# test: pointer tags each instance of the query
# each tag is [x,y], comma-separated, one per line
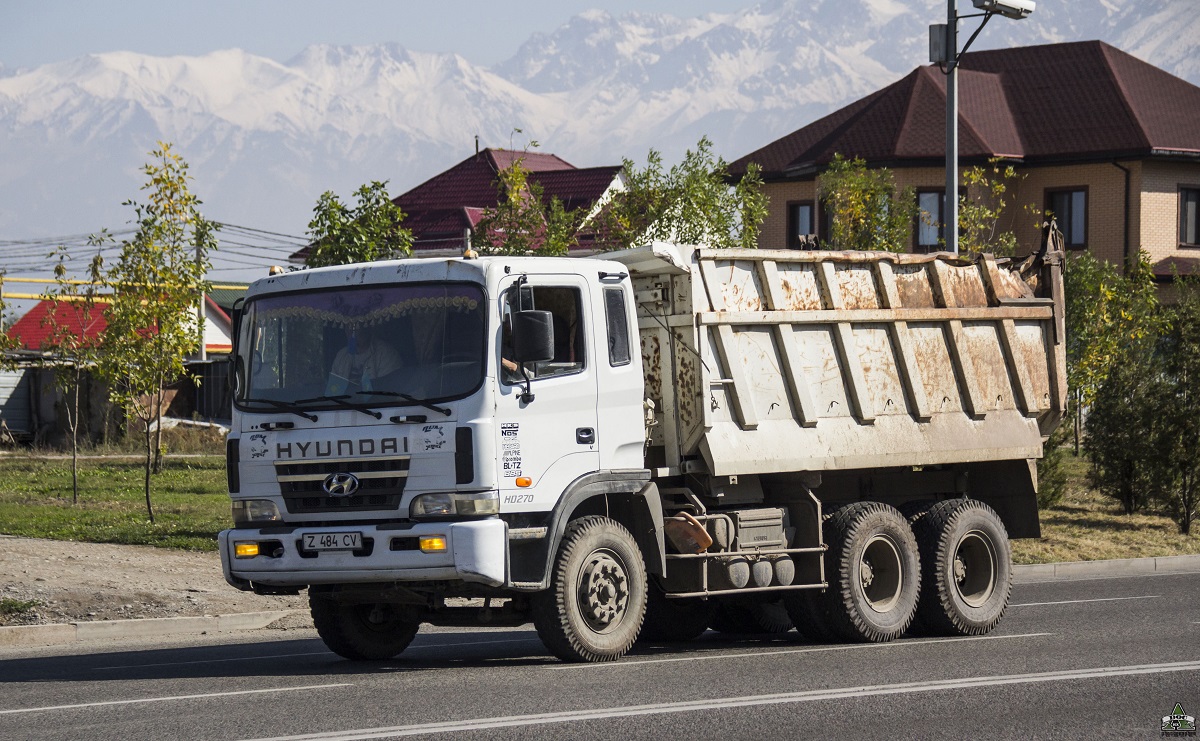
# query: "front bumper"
[476,551]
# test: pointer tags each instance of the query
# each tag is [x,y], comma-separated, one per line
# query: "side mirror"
[235,321]
[532,336]
[235,328]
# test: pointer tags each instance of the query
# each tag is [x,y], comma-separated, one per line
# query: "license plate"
[332,541]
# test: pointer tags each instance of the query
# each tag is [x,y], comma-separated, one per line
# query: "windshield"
[377,345]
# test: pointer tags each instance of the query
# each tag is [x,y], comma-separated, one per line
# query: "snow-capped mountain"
[265,138]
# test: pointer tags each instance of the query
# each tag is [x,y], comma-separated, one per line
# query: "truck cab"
[385,431]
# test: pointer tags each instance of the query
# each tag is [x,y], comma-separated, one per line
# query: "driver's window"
[566,308]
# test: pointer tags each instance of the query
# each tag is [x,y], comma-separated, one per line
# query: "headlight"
[451,504]
[254,511]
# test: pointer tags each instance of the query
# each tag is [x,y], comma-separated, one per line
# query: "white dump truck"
[645,445]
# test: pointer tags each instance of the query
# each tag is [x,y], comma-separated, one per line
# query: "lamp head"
[1015,9]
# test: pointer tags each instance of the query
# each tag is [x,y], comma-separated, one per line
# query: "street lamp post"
[943,50]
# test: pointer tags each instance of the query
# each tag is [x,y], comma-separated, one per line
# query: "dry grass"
[1087,526]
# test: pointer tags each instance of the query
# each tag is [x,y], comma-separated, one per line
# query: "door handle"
[585,436]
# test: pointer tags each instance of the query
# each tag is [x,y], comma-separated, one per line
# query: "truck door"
[548,442]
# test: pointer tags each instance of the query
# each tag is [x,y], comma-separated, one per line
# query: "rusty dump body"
[773,361]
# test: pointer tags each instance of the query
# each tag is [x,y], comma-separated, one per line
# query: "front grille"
[380,484]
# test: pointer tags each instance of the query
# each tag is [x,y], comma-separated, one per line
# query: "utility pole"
[201,313]
[951,207]
[943,51]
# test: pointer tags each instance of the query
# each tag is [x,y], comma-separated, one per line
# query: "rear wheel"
[594,607]
[363,632]
[873,572]
[967,568]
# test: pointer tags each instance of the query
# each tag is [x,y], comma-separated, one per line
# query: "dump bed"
[761,361]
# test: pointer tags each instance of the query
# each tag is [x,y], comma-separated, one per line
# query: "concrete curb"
[49,635]
[1031,573]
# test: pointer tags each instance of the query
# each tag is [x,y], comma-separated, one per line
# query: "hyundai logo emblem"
[340,484]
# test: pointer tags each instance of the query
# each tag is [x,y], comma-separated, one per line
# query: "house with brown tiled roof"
[1105,141]
[442,212]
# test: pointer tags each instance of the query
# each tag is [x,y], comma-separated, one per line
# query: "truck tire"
[874,574]
[362,632]
[966,563]
[806,609]
[594,607]
[674,620]
[736,616]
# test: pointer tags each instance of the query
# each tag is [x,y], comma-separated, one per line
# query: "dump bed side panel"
[763,361]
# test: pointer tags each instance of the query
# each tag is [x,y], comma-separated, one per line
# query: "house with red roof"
[442,212]
[1106,142]
[34,329]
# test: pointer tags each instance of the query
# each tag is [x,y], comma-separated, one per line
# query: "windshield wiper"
[341,401]
[286,406]
[410,399]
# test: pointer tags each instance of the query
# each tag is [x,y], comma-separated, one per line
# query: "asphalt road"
[1096,658]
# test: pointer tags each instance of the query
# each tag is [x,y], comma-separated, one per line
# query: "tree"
[156,282]
[980,207]
[692,203]
[72,340]
[1052,474]
[1114,369]
[522,223]
[866,210]
[1121,429]
[1177,411]
[368,231]
[1106,313]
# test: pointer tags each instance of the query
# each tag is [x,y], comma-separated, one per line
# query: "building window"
[1069,208]
[825,220]
[1189,217]
[802,228]
[931,220]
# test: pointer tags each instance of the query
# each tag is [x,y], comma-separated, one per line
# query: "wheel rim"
[881,574]
[603,590]
[974,568]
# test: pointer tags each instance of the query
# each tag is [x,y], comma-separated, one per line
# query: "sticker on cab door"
[510,449]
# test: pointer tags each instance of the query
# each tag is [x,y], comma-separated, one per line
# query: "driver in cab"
[363,361]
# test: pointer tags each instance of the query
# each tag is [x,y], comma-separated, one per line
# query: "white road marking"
[313,653]
[1080,601]
[209,661]
[173,697]
[513,721]
[820,649]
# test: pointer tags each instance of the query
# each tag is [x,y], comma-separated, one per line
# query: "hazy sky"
[34,32]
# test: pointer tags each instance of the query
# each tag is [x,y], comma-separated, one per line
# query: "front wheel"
[363,632]
[967,564]
[594,607]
